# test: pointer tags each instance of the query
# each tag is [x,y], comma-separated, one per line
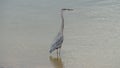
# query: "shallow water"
[92,34]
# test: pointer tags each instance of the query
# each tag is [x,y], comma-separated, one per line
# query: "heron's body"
[57,43]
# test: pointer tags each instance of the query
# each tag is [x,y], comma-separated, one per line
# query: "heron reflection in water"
[56,62]
[57,43]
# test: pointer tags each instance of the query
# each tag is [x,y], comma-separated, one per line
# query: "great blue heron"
[57,43]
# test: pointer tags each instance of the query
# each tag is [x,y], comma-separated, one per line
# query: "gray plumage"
[57,43]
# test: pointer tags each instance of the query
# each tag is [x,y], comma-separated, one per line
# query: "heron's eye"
[63,9]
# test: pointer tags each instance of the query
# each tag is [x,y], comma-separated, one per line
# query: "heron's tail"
[51,50]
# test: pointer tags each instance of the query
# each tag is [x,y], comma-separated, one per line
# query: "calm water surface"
[92,34]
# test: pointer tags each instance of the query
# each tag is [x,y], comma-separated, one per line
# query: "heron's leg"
[59,51]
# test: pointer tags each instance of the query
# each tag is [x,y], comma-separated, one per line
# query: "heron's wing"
[57,42]
[57,38]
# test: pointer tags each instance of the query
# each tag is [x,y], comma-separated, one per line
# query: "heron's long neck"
[62,25]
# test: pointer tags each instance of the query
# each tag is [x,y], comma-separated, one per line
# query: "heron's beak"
[68,9]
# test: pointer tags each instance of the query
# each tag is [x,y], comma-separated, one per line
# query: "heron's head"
[67,9]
